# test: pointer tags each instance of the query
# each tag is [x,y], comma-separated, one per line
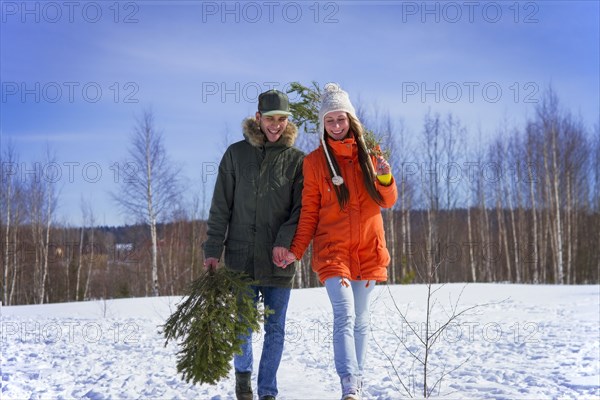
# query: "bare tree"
[484,222]
[549,120]
[196,228]
[88,220]
[471,179]
[92,248]
[41,203]
[150,184]
[9,185]
[453,136]
[427,336]
[531,179]
[432,143]
[17,215]
[513,196]
[403,171]
[576,155]
[496,156]
[80,258]
[389,133]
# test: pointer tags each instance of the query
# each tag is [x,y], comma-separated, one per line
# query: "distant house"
[124,252]
[124,247]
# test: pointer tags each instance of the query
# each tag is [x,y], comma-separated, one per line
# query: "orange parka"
[349,243]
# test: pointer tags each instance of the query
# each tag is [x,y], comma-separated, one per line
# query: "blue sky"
[76,74]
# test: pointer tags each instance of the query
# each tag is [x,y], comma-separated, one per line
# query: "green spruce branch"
[209,323]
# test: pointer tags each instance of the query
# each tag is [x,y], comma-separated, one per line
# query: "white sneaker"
[350,388]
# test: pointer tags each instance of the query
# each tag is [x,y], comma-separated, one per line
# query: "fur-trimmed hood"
[257,138]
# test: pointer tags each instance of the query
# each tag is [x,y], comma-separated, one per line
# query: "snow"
[519,342]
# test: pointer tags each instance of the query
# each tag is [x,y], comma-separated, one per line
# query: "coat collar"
[257,138]
[343,148]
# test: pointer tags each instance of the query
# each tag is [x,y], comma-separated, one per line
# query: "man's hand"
[279,254]
[282,257]
[211,263]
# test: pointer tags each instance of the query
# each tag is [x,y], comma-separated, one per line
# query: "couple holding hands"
[270,201]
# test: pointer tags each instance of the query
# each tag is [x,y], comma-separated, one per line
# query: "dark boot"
[243,385]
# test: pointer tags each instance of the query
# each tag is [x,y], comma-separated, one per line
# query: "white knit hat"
[333,99]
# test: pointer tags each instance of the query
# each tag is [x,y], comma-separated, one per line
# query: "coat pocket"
[327,192]
[383,255]
[238,255]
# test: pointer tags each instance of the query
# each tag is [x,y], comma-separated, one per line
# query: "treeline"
[97,262]
[523,207]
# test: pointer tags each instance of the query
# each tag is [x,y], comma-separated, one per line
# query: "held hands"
[282,257]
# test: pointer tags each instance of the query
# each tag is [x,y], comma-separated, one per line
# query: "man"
[254,213]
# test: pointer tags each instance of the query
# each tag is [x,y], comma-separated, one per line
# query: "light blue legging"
[350,324]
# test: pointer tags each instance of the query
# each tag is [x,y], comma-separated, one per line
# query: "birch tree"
[550,124]
[41,201]
[531,180]
[407,167]
[149,184]
[432,143]
[89,222]
[9,185]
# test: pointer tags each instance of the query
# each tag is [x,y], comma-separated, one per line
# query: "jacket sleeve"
[389,193]
[309,215]
[220,208]
[288,228]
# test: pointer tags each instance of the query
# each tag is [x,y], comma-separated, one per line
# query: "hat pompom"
[331,88]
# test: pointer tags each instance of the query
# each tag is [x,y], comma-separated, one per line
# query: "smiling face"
[272,125]
[337,124]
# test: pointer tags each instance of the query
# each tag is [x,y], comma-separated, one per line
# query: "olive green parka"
[256,204]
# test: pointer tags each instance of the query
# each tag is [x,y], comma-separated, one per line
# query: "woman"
[341,209]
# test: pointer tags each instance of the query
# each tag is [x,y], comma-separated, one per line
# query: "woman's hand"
[383,167]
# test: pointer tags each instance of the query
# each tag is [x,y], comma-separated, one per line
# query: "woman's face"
[337,124]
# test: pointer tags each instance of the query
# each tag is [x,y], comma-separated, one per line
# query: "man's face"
[272,125]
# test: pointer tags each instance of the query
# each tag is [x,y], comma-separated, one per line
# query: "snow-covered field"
[531,342]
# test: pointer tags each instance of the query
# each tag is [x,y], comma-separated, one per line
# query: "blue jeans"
[350,324]
[277,300]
